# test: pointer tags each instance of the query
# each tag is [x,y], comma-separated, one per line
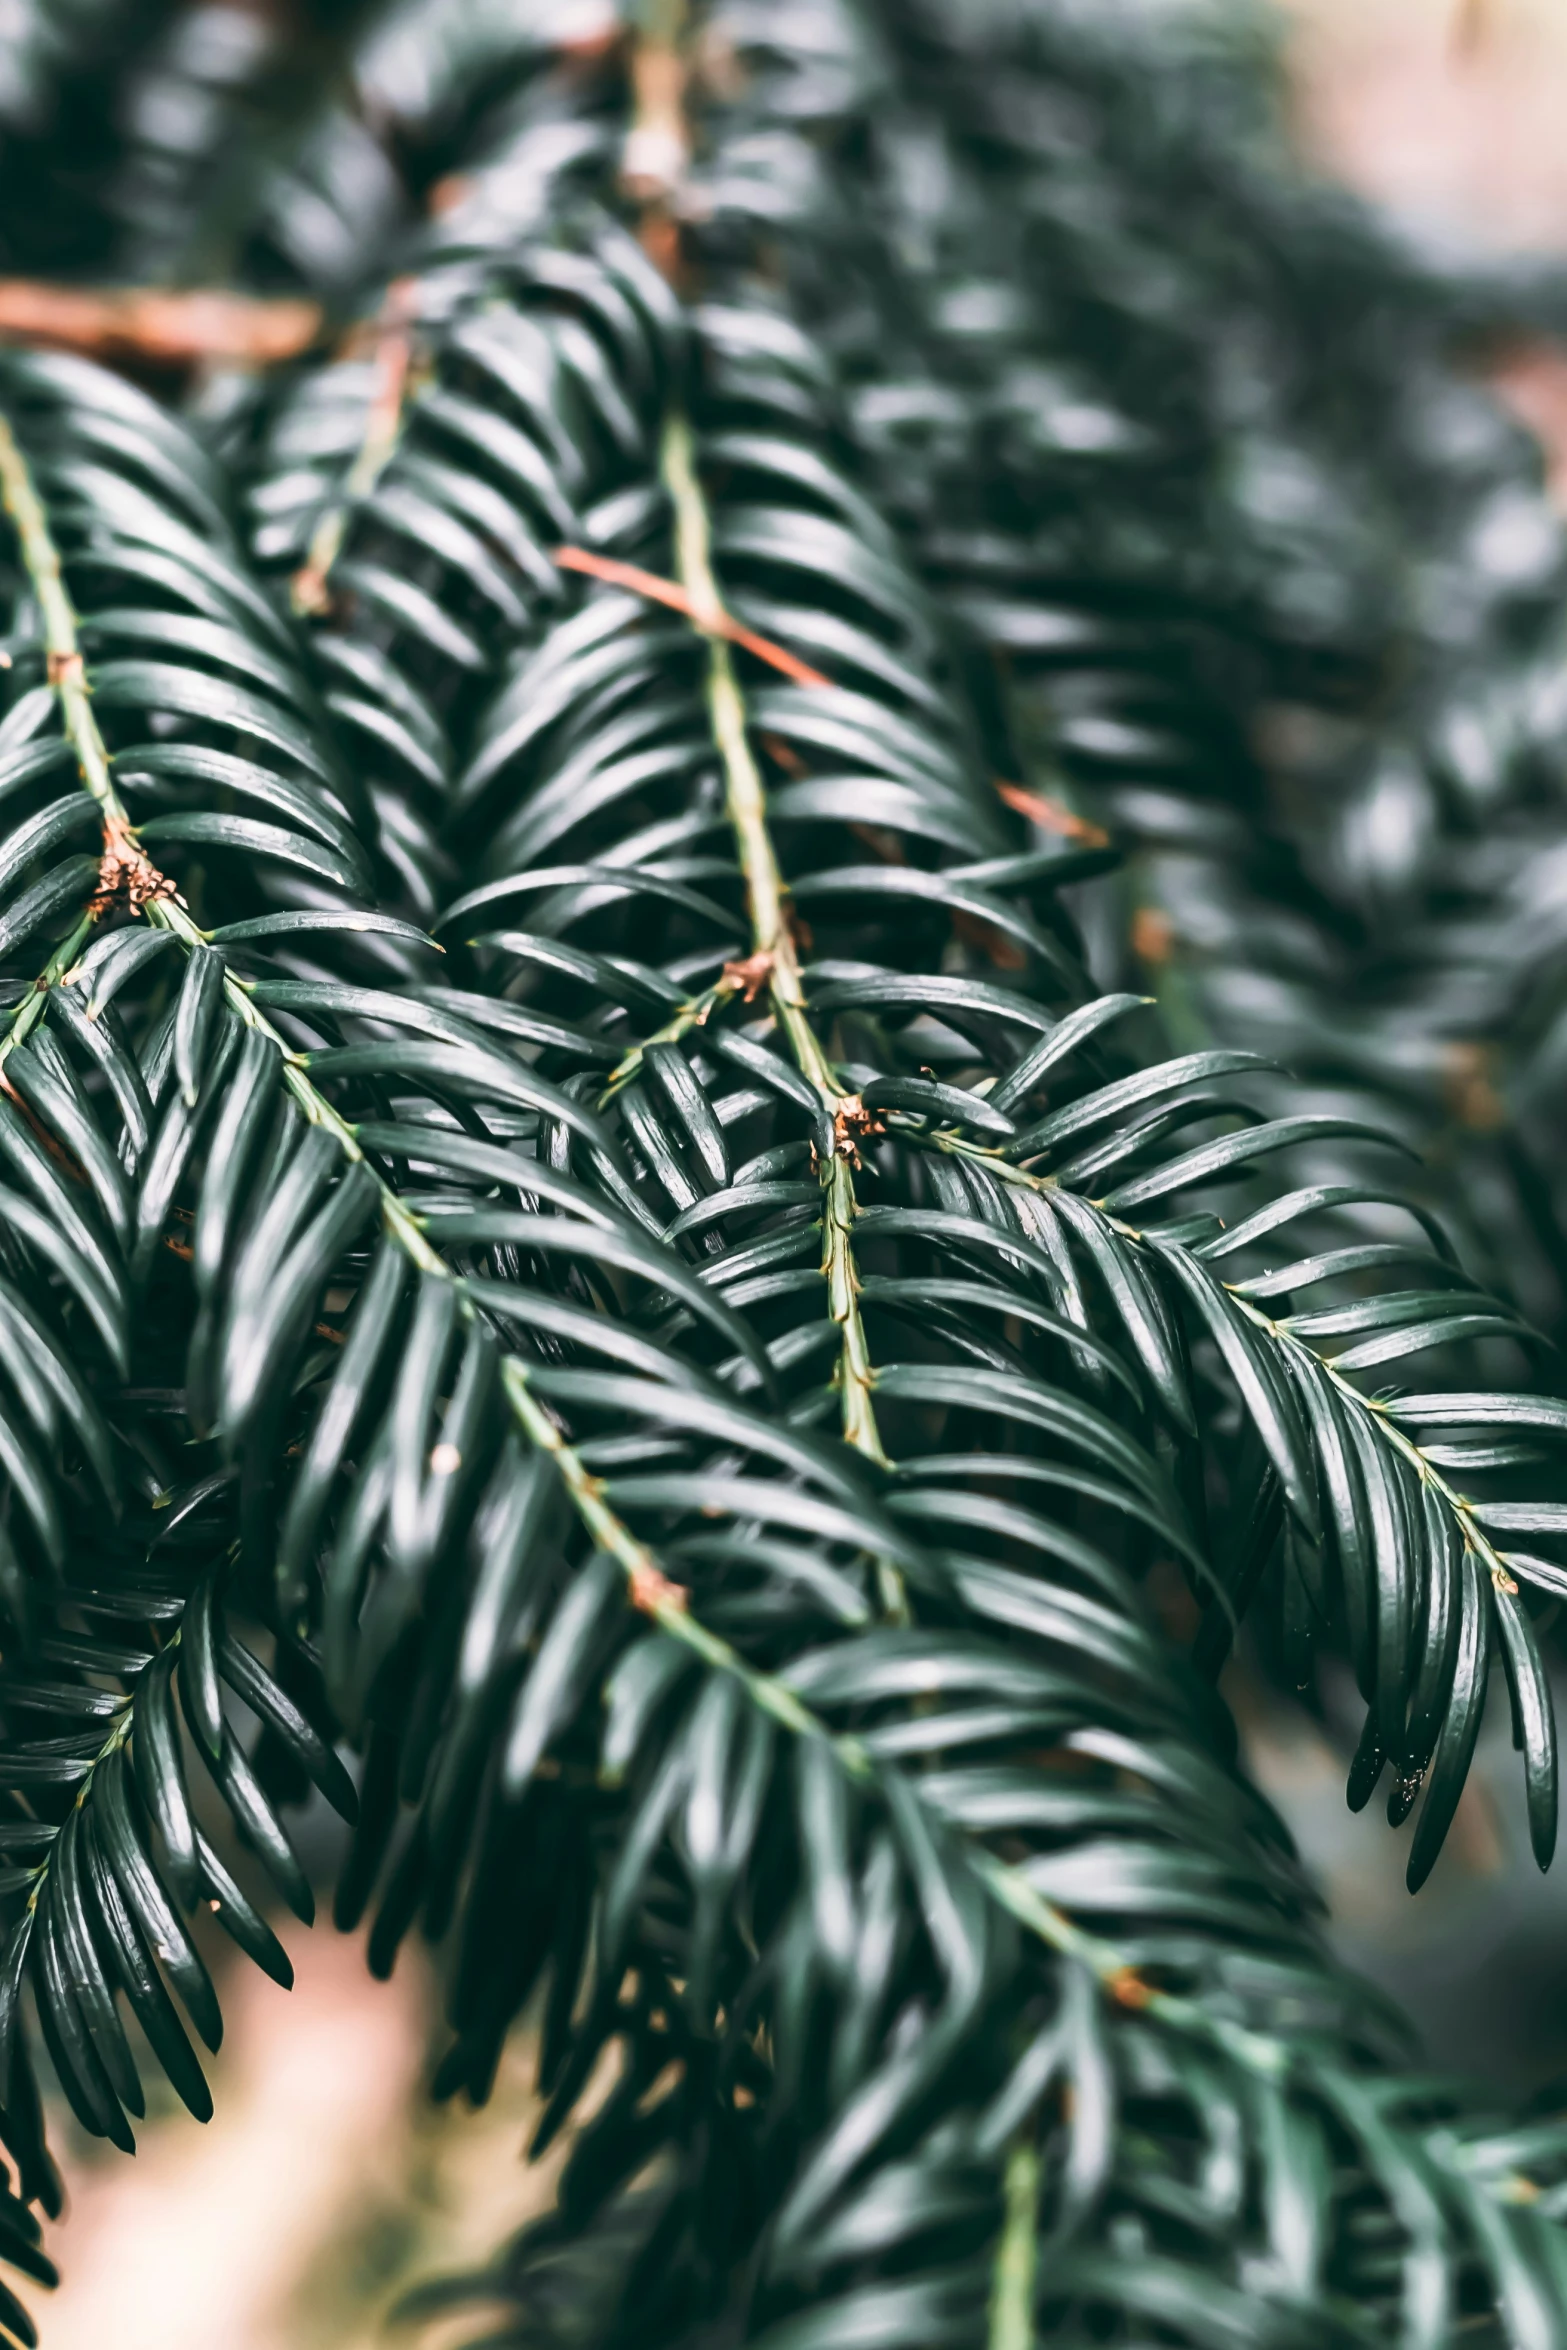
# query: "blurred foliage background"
[1448,115]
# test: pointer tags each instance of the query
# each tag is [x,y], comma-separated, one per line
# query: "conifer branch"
[963,1991]
[649,1587]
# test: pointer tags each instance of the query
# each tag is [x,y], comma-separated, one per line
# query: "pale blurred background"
[1449,111]
[327,2183]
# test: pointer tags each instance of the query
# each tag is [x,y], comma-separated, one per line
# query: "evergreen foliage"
[594,1216]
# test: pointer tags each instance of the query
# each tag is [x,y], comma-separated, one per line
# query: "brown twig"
[1469,1087]
[1052,816]
[153,323]
[712,619]
[47,1141]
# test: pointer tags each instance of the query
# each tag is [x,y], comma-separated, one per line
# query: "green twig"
[774,958]
[1017,2254]
[31,1009]
[66,670]
[310,588]
[680,1024]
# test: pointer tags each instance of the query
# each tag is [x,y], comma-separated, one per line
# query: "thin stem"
[666,592]
[119,1730]
[1017,2254]
[30,1010]
[680,1024]
[1474,1535]
[309,588]
[66,670]
[772,939]
[124,863]
[121,1724]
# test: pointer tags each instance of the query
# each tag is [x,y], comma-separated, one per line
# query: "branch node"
[309,593]
[852,1124]
[749,976]
[127,876]
[1127,1988]
[651,1590]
